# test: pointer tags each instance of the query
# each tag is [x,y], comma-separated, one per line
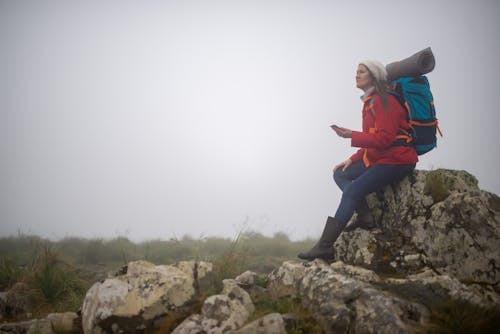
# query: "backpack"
[414,94]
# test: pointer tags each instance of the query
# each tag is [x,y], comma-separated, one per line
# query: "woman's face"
[363,78]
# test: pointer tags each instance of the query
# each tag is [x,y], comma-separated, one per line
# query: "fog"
[156,119]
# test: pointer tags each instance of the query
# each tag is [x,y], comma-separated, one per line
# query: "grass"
[304,321]
[48,283]
[464,318]
[437,186]
[57,274]
[54,279]
[236,260]
[229,264]
[10,273]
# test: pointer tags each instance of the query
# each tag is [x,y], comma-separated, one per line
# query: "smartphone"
[333,126]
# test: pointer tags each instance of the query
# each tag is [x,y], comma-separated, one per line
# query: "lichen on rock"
[140,296]
[457,234]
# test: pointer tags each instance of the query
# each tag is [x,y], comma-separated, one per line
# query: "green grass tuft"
[53,279]
[304,321]
[10,273]
[436,186]
[464,318]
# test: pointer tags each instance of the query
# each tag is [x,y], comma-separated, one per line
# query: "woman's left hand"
[343,132]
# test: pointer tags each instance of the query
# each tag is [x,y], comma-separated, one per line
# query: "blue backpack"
[414,94]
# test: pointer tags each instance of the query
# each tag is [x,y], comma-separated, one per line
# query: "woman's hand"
[344,164]
[343,132]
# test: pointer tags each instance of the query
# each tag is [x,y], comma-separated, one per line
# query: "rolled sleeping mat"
[420,63]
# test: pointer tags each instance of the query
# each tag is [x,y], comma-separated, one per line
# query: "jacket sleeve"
[384,132]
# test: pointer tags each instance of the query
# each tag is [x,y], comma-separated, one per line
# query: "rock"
[68,322]
[490,294]
[42,326]
[270,324]
[359,273]
[285,281]
[16,303]
[37,326]
[142,298]
[220,313]
[438,219]
[435,290]
[435,245]
[197,323]
[234,292]
[247,280]
[343,303]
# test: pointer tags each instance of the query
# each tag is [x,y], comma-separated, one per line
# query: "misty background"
[155,119]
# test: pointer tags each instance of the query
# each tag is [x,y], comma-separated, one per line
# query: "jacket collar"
[368,94]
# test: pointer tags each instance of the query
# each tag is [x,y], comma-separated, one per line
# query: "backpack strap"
[403,137]
[370,100]
[371,104]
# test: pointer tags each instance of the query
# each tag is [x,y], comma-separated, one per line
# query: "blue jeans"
[358,181]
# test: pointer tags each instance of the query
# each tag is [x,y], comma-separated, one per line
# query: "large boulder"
[350,299]
[343,301]
[432,219]
[143,297]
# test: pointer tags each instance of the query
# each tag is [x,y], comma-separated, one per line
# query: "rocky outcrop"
[142,297]
[343,300]
[432,219]
[436,243]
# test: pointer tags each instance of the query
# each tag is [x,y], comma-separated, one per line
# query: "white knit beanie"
[377,69]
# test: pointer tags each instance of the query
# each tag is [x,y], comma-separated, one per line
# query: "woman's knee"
[339,175]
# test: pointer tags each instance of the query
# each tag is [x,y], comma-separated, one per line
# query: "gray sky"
[153,119]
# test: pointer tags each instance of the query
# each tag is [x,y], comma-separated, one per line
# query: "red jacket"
[379,131]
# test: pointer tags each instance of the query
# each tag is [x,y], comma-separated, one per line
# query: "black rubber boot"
[364,219]
[324,247]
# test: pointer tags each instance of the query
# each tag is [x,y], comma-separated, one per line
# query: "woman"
[380,161]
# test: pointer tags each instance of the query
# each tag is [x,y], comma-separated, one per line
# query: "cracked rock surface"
[432,219]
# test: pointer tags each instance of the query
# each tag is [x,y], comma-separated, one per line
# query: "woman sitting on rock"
[376,164]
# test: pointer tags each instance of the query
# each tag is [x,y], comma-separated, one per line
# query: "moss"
[437,185]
